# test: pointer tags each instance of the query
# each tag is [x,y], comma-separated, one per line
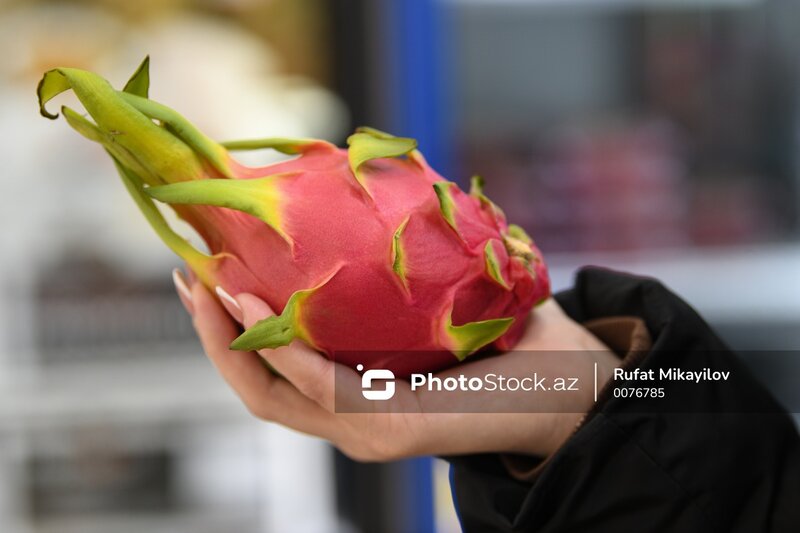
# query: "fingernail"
[183,290]
[230,304]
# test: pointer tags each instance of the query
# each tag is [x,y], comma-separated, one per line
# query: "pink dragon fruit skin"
[366,253]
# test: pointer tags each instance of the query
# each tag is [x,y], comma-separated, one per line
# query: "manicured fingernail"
[183,290]
[230,304]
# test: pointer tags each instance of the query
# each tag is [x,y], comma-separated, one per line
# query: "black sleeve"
[708,457]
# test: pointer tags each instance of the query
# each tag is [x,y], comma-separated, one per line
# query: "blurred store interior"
[660,137]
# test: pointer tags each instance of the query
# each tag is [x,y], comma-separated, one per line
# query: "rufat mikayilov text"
[671,374]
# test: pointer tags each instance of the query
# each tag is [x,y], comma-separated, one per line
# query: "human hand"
[303,397]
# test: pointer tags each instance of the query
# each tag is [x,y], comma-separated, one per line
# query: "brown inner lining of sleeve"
[627,336]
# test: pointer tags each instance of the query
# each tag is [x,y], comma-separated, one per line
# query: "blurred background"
[656,136]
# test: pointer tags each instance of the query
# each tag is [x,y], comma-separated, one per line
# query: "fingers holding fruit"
[265,395]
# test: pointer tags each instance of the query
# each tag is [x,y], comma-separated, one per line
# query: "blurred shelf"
[611,4]
[152,390]
[758,284]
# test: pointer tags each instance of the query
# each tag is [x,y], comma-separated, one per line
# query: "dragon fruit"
[366,253]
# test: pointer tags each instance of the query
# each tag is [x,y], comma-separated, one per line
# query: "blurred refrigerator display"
[636,126]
